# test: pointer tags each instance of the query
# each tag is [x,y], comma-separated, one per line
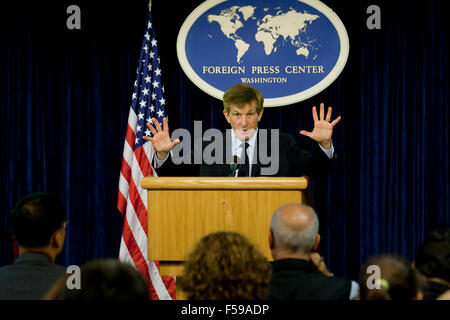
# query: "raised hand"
[323,128]
[319,263]
[161,138]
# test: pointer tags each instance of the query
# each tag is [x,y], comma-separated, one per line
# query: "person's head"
[294,231]
[103,279]
[225,266]
[38,223]
[433,256]
[243,108]
[397,279]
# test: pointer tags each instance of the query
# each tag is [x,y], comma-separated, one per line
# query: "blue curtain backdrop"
[65,96]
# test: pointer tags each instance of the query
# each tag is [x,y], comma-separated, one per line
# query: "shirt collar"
[33,256]
[236,143]
[293,264]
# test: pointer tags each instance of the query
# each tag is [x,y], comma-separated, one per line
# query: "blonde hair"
[225,266]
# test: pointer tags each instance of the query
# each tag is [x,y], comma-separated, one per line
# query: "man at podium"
[243,109]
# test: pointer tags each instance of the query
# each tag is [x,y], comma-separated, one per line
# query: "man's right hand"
[161,138]
[319,263]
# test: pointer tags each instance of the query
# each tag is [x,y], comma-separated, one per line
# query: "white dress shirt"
[236,147]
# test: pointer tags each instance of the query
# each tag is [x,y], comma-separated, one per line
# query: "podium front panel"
[178,219]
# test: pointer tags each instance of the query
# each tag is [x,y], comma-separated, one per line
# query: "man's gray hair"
[292,240]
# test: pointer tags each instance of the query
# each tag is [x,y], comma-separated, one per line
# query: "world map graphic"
[276,28]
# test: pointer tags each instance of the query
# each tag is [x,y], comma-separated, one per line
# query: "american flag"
[147,102]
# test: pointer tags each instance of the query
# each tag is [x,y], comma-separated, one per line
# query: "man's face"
[244,121]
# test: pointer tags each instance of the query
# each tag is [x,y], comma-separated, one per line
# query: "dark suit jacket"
[29,277]
[293,162]
[296,279]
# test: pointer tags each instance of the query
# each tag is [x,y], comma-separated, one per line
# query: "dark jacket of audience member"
[433,261]
[297,279]
[38,223]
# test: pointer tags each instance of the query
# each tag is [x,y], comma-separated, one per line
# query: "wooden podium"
[181,210]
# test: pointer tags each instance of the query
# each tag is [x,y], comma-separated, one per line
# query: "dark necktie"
[244,169]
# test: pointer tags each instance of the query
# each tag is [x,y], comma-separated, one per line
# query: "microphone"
[234,166]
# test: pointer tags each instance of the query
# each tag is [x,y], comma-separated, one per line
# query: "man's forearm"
[328,151]
[326,144]
[159,162]
[162,155]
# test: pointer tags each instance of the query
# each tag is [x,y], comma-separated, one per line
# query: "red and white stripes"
[132,203]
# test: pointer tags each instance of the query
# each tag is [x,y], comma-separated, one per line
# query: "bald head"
[294,227]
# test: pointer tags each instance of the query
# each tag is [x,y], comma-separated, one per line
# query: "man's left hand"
[323,127]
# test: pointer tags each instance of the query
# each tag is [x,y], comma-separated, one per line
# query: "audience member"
[398,280]
[299,273]
[225,266]
[103,279]
[444,296]
[38,222]
[433,261]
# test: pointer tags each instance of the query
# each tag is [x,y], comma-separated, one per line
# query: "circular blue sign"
[290,50]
